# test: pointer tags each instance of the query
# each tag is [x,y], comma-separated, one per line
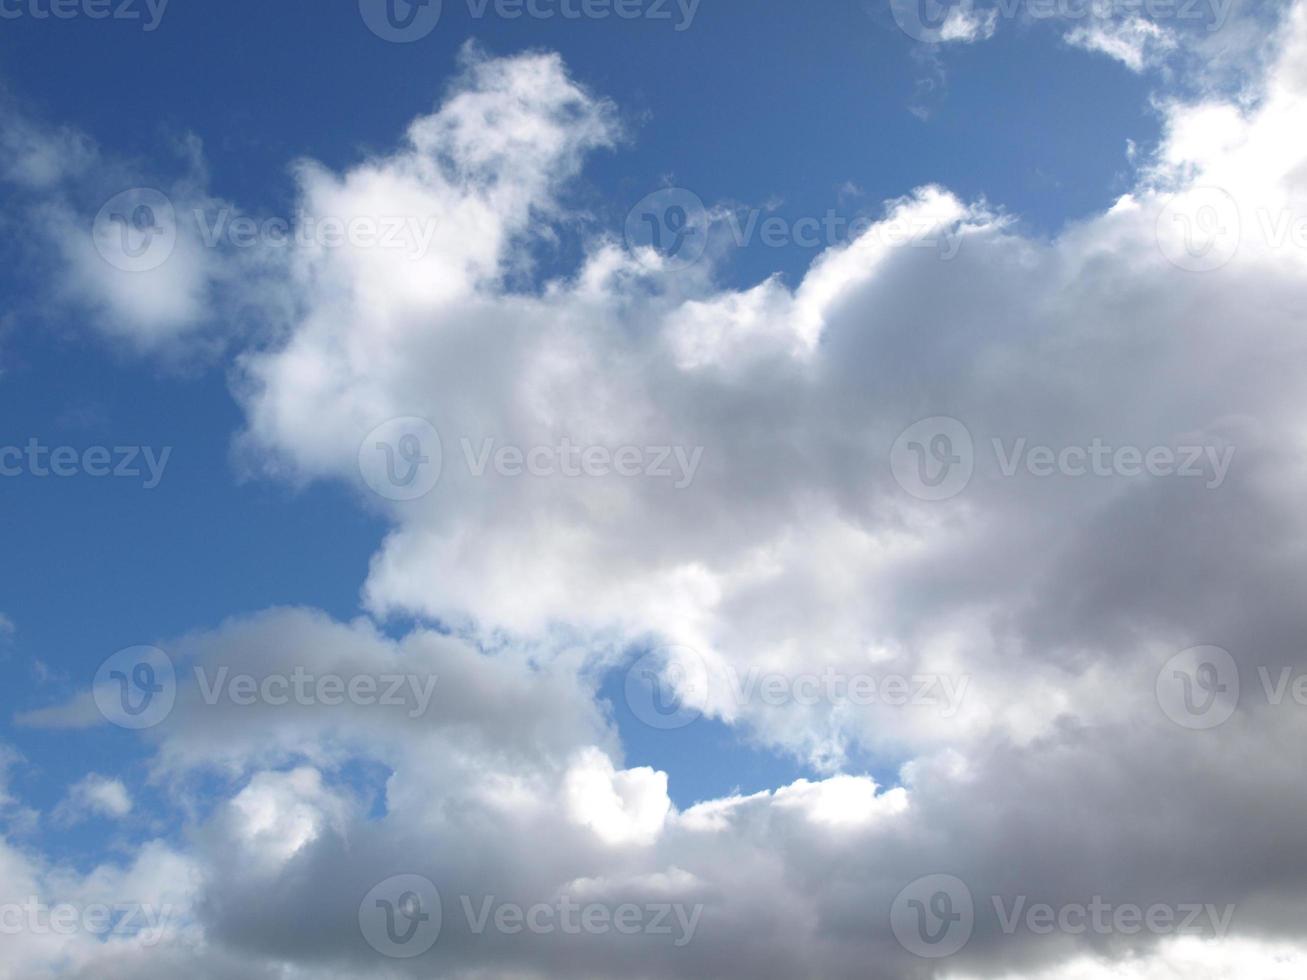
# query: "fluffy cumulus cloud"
[957,515]
[95,796]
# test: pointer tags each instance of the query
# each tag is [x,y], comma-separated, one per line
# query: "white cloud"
[94,796]
[1191,958]
[628,807]
[794,551]
[1135,42]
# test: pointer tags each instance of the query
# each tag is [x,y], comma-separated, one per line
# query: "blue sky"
[789,545]
[812,102]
